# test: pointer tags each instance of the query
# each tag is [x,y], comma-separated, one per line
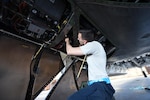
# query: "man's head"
[85,36]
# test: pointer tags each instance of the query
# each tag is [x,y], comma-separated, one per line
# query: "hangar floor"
[130,86]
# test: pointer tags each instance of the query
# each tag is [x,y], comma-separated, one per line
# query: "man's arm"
[72,50]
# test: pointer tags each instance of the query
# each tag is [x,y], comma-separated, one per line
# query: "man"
[99,86]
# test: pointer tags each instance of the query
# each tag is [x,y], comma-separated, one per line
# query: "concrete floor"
[132,86]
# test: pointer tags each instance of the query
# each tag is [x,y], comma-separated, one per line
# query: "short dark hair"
[87,34]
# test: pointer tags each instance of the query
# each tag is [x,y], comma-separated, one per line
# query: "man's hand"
[67,40]
[72,50]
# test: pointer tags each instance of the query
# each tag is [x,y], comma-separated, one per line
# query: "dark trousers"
[96,91]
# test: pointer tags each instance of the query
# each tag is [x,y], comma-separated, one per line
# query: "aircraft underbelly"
[126,25]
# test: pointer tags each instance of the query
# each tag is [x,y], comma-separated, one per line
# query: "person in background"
[99,86]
